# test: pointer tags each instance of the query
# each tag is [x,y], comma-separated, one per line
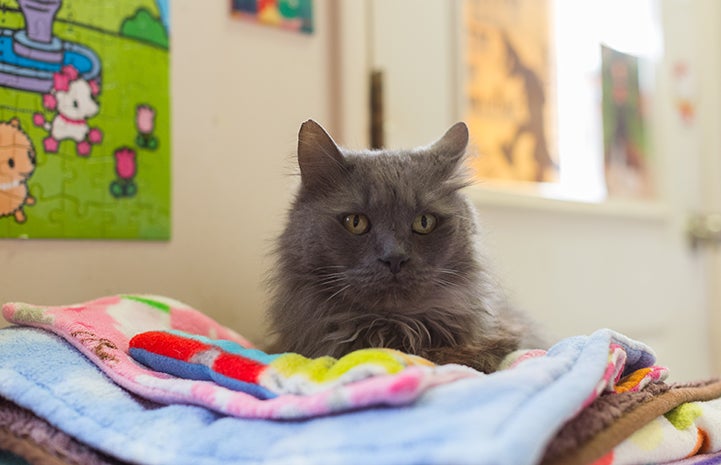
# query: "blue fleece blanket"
[504,418]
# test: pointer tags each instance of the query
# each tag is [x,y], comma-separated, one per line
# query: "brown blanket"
[611,418]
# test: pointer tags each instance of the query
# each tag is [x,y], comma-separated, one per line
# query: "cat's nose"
[394,262]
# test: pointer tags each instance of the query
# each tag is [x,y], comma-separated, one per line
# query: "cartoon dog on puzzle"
[17,163]
[74,99]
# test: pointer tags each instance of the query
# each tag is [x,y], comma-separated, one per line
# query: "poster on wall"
[293,15]
[84,119]
[507,66]
[624,126]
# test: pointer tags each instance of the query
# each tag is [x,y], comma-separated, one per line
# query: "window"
[512,46]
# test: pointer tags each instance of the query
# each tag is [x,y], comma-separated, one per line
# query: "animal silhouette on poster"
[74,100]
[17,164]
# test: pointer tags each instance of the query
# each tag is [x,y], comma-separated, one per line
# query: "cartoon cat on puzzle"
[74,100]
[17,163]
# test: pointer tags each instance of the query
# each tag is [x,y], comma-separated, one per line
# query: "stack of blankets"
[149,380]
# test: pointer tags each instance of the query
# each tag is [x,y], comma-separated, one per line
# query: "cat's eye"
[356,223]
[424,223]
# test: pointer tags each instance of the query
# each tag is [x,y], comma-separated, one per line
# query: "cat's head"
[383,228]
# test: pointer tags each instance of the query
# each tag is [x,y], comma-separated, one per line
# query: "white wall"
[239,94]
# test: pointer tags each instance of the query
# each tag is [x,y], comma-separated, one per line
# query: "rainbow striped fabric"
[262,375]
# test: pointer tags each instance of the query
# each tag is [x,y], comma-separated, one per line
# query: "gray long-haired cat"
[380,250]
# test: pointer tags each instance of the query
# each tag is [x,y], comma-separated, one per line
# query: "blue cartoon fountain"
[30,56]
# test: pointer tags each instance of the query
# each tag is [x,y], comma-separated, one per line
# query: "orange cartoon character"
[17,163]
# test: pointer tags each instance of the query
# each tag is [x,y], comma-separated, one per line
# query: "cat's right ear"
[319,158]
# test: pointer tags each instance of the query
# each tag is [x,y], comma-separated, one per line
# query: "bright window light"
[580,28]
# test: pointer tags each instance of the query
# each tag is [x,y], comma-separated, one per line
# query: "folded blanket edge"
[636,419]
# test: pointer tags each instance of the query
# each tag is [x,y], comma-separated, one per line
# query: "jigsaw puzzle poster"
[84,119]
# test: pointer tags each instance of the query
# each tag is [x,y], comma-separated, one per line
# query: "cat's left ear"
[448,151]
[319,158]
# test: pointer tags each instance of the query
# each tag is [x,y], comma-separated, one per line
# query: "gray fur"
[334,292]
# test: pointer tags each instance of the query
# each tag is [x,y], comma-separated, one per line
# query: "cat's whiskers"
[329,275]
[331,291]
[328,284]
[328,267]
[332,279]
[447,284]
[342,289]
[452,279]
